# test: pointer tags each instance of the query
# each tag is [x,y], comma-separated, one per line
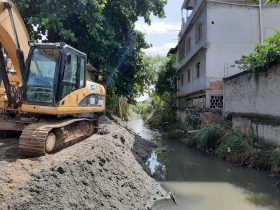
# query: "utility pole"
[261,21]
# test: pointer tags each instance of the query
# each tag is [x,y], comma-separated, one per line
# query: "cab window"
[71,67]
[82,72]
[69,79]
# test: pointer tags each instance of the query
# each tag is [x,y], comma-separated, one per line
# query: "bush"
[223,139]
[193,117]
[275,159]
[208,136]
[158,113]
[235,142]
[235,146]
[228,117]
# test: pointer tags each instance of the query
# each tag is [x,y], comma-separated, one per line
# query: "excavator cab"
[53,71]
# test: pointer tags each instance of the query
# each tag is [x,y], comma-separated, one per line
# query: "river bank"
[229,144]
[236,147]
[105,171]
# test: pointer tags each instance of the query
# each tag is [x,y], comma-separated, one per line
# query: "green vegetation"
[235,146]
[207,137]
[193,118]
[263,57]
[275,159]
[158,111]
[105,30]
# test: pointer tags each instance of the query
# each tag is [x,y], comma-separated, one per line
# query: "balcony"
[189,10]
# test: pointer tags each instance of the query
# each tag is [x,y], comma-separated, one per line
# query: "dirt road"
[102,172]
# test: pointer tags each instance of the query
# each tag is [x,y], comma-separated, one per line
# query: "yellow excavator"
[44,96]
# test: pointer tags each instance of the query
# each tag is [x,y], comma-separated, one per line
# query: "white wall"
[197,54]
[195,84]
[254,100]
[253,93]
[271,20]
[233,33]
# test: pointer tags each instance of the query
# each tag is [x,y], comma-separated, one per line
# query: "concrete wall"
[271,15]
[233,31]
[254,100]
[253,93]
[267,132]
[197,54]
[195,83]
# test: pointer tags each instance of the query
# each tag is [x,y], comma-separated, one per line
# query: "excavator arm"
[14,39]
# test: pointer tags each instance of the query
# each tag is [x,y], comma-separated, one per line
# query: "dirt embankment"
[102,172]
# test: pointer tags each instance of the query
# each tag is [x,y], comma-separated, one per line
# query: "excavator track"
[39,139]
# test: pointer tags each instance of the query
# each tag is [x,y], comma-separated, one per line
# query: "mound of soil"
[106,171]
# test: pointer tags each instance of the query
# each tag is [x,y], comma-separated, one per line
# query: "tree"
[105,30]
[167,78]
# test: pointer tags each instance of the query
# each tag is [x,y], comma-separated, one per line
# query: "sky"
[163,33]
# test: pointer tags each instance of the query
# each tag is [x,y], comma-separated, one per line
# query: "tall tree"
[105,30]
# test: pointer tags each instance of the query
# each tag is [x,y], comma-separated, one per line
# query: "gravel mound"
[106,171]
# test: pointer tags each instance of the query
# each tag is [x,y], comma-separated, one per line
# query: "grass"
[275,159]
[235,146]
[234,142]
[207,137]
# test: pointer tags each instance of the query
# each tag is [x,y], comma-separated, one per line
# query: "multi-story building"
[214,34]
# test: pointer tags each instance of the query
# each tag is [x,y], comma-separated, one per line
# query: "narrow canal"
[203,182]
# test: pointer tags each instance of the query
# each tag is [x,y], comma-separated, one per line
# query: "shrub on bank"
[235,146]
[207,137]
[193,117]
[275,159]
[234,141]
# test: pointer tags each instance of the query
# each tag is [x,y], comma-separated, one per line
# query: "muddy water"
[203,182]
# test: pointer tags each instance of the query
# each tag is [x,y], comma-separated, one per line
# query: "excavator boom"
[13,36]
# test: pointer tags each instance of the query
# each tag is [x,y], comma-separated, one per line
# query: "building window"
[198,32]
[182,79]
[189,76]
[197,70]
[188,45]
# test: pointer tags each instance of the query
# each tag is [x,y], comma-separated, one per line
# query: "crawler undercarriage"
[39,137]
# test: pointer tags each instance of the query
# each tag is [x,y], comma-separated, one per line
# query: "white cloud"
[158,28]
[160,50]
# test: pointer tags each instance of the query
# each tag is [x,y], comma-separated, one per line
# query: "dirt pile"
[101,172]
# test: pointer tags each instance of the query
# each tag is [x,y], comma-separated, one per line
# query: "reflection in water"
[203,182]
[208,196]
[138,127]
[157,169]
